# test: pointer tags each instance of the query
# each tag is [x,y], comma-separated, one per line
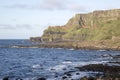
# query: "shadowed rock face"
[101,25]
[35,39]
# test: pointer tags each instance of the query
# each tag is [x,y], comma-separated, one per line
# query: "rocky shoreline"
[100,71]
[108,72]
[104,71]
[101,45]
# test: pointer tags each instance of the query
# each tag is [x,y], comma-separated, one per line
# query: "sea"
[49,63]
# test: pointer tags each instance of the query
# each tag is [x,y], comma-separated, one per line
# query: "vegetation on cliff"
[95,26]
[98,29]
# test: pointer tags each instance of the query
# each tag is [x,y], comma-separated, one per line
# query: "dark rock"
[84,78]
[91,78]
[108,72]
[35,39]
[77,73]
[68,74]
[100,67]
[64,69]
[88,78]
[99,78]
[19,79]
[5,78]
[52,69]
[42,78]
[64,77]
[56,76]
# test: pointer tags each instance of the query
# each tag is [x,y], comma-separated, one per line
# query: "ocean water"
[51,63]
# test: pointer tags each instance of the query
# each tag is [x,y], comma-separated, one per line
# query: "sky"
[21,19]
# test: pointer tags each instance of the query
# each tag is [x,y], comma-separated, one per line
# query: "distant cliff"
[94,26]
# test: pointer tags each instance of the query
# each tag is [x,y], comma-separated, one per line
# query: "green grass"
[100,27]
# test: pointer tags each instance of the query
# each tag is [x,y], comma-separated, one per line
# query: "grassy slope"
[101,27]
[106,31]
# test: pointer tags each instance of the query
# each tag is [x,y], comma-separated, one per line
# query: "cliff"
[94,26]
[95,30]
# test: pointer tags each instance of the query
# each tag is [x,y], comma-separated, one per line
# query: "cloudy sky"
[21,19]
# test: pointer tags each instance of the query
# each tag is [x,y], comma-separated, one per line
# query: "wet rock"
[6,78]
[19,79]
[42,78]
[64,77]
[99,78]
[89,78]
[56,76]
[108,72]
[68,74]
[52,69]
[77,73]
[84,78]
[99,68]
[64,69]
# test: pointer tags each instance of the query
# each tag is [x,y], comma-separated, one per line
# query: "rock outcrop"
[35,39]
[94,26]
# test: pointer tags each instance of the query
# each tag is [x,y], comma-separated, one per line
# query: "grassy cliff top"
[94,26]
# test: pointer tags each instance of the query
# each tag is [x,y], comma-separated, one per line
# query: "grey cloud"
[15,26]
[21,6]
[6,26]
[50,5]
[53,5]
[45,5]
[61,5]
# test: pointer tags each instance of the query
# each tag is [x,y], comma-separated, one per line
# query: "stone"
[64,77]
[5,78]
[42,78]
[77,73]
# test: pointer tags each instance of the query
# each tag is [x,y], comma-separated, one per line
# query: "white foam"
[71,49]
[14,46]
[76,64]
[33,47]
[102,50]
[36,66]
[58,68]
[59,48]
[67,65]
[67,62]
[81,74]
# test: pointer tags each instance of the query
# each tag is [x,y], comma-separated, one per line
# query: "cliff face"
[94,26]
